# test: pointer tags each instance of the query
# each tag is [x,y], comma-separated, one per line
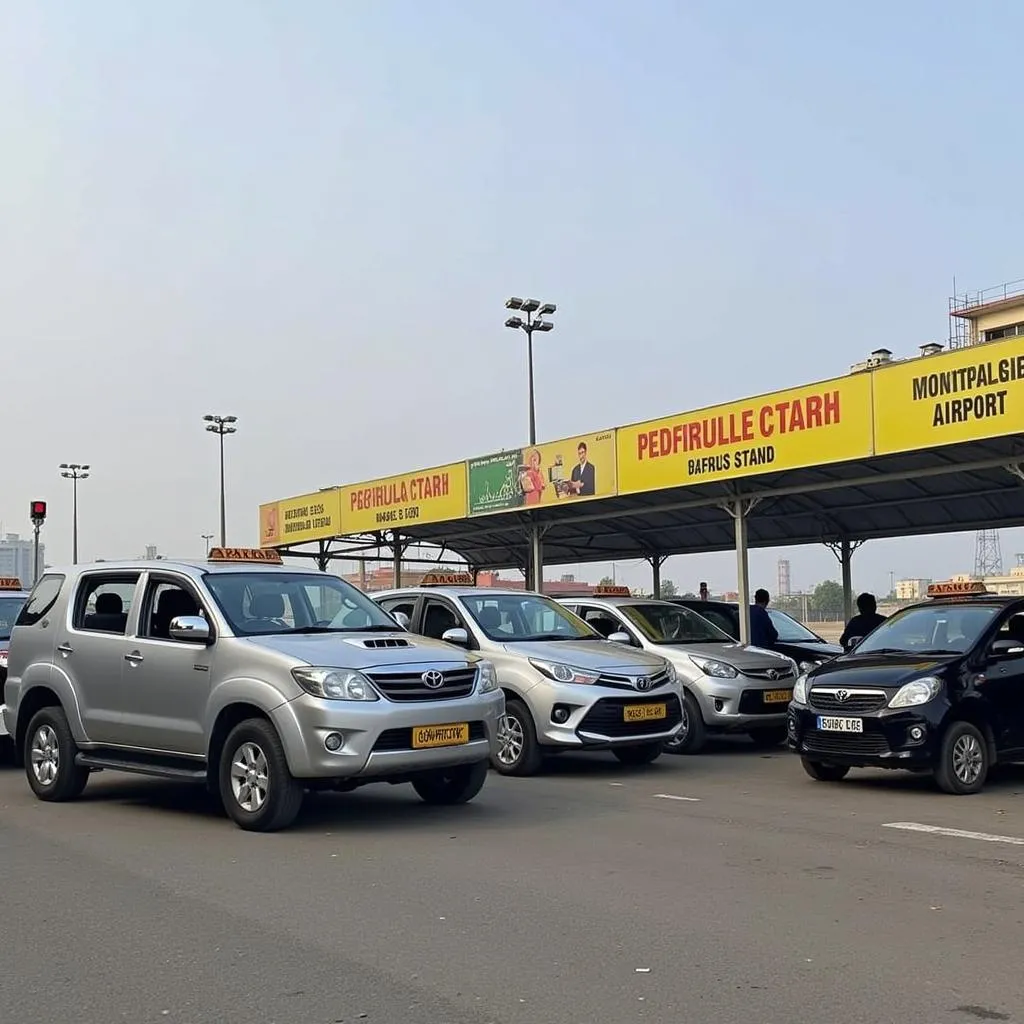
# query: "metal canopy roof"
[978,485]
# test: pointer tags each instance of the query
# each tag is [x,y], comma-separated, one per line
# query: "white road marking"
[670,796]
[954,833]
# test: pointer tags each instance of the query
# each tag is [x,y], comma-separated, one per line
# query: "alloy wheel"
[250,778]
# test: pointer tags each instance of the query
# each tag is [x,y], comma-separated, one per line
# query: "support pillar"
[536,577]
[398,547]
[739,509]
[843,549]
[322,559]
[657,561]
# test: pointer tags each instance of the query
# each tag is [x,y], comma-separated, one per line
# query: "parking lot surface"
[720,888]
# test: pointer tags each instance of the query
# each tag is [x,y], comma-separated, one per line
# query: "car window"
[404,605]
[166,601]
[790,630]
[601,620]
[1012,628]
[504,617]
[722,619]
[104,602]
[939,628]
[438,618]
[674,624]
[43,597]
[9,609]
[264,603]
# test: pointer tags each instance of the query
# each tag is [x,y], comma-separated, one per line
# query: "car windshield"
[726,619]
[674,624]
[262,603]
[516,617]
[9,609]
[791,631]
[935,629]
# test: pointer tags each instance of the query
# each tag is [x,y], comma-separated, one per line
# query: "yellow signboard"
[315,516]
[556,472]
[412,499]
[967,395]
[813,425]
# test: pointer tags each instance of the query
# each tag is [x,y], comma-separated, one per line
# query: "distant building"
[16,558]
[911,590]
[784,587]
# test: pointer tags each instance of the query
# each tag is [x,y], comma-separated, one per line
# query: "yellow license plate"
[644,712]
[424,736]
[778,696]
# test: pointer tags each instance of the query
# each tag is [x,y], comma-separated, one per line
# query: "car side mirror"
[457,636]
[402,619]
[193,629]
[620,638]
[1002,649]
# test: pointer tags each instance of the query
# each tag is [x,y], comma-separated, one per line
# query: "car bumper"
[377,736]
[598,720]
[741,706]
[889,739]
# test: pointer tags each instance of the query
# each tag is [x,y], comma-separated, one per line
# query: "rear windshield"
[9,608]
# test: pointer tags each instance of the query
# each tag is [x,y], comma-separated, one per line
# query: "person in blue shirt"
[762,631]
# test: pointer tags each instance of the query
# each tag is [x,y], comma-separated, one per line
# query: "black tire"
[449,786]
[824,772]
[768,737]
[6,751]
[694,734]
[520,754]
[640,753]
[255,743]
[51,771]
[964,760]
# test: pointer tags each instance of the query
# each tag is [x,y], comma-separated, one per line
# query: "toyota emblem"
[774,673]
[841,695]
[643,682]
[433,679]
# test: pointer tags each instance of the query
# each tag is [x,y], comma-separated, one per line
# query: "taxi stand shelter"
[967,486]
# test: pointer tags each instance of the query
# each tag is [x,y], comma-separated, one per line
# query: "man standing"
[583,482]
[705,594]
[863,623]
[762,631]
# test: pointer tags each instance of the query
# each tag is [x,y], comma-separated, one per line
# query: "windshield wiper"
[313,629]
[553,636]
[345,629]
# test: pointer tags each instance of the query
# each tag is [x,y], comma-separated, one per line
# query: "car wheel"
[518,750]
[824,772]
[6,750]
[256,787]
[693,735]
[452,785]
[50,752]
[766,738]
[964,760]
[641,753]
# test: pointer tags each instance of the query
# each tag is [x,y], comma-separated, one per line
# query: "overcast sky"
[309,215]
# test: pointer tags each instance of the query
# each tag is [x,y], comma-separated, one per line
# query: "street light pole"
[207,537]
[221,425]
[74,472]
[535,311]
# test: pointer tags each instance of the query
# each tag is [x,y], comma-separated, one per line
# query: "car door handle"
[134,657]
[65,649]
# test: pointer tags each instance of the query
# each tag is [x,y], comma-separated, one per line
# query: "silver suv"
[728,688]
[566,687]
[261,680]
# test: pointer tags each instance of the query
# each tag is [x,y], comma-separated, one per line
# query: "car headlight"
[335,683]
[710,667]
[564,673]
[486,677]
[800,690]
[920,691]
[673,675]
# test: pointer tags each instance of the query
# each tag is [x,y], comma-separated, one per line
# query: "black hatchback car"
[796,641]
[938,687]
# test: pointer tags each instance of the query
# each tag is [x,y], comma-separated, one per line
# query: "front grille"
[605,717]
[857,703]
[752,702]
[619,682]
[771,674]
[853,743]
[409,686]
[401,739]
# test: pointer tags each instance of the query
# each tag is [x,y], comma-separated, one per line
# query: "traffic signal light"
[38,512]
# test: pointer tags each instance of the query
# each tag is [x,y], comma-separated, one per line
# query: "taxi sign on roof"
[10,583]
[271,555]
[957,588]
[448,579]
[609,591]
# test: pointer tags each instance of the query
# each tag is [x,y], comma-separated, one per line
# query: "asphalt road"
[586,895]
